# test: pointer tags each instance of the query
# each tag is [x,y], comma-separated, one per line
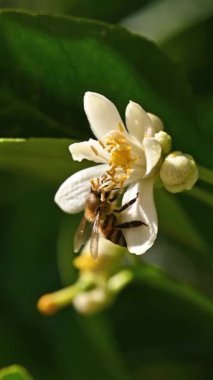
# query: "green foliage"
[48,159]
[14,373]
[193,50]
[49,62]
[160,326]
[111,10]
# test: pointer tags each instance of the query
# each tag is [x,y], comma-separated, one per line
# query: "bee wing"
[95,238]
[80,235]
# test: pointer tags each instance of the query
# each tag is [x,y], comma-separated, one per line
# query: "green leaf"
[34,5]
[105,10]
[193,50]
[157,279]
[47,159]
[110,10]
[14,373]
[181,228]
[49,62]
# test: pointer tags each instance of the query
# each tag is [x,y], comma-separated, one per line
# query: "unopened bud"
[178,172]
[156,122]
[165,141]
[92,301]
[47,305]
[51,303]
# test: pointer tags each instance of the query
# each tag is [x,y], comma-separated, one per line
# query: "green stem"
[163,19]
[201,195]
[205,175]
[160,280]
[121,279]
[65,296]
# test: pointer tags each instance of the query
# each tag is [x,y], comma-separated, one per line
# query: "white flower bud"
[156,122]
[92,301]
[178,172]
[165,141]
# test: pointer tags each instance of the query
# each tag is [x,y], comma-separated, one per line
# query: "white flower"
[130,153]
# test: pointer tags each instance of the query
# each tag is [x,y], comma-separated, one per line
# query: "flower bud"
[47,305]
[51,303]
[178,172]
[92,301]
[165,141]
[156,122]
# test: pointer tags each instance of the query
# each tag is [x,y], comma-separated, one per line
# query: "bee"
[101,211]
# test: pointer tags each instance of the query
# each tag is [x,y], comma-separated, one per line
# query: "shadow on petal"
[140,239]
[72,194]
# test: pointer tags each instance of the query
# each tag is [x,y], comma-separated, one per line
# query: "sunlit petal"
[156,122]
[90,150]
[137,121]
[72,194]
[102,114]
[152,150]
[140,239]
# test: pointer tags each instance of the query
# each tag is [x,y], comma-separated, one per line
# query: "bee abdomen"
[115,236]
[111,233]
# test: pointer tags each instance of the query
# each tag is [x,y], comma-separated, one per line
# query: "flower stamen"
[121,155]
[101,144]
[120,151]
[94,150]
[120,126]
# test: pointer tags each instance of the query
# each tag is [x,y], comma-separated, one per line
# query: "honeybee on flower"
[130,156]
[101,210]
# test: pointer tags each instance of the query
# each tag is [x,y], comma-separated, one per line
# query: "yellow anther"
[94,150]
[121,160]
[120,126]
[101,144]
[95,183]
[120,152]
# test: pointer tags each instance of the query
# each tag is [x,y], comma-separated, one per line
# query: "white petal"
[102,114]
[140,239]
[72,194]
[89,150]
[156,122]
[137,121]
[152,151]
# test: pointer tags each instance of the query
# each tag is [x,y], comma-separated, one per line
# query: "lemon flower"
[130,154]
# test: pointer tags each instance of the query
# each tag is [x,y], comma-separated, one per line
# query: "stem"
[202,195]
[50,303]
[161,20]
[121,279]
[205,175]
[157,279]
[65,296]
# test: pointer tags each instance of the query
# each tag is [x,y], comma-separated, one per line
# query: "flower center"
[121,155]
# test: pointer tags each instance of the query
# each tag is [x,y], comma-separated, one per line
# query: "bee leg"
[114,198]
[132,224]
[126,205]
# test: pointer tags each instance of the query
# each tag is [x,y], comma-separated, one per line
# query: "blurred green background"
[161,326]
